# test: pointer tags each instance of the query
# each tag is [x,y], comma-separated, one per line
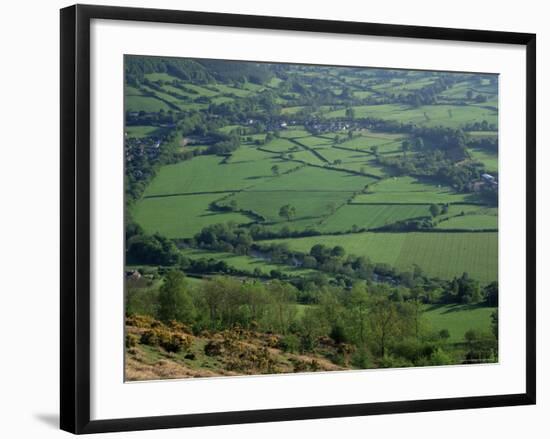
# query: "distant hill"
[196,70]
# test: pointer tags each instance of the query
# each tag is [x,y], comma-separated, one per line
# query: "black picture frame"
[75,217]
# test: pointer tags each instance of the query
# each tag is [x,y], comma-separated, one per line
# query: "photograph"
[289,218]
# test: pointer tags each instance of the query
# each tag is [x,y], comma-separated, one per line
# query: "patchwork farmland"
[319,178]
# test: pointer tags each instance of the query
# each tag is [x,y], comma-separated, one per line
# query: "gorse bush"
[166,339]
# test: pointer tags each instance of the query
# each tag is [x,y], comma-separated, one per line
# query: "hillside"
[158,351]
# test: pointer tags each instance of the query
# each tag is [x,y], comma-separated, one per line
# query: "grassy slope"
[458,319]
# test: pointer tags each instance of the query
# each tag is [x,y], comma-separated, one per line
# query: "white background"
[29,192]
[112,398]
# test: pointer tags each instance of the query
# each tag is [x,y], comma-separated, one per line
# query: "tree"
[416,296]
[275,169]
[491,294]
[384,323]
[468,289]
[287,211]
[435,210]
[283,297]
[405,146]
[319,252]
[494,323]
[175,302]
[444,334]
[313,325]
[233,204]
[338,251]
[374,149]
[357,315]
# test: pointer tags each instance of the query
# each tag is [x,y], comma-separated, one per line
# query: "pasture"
[311,206]
[409,190]
[443,255]
[197,175]
[452,116]
[316,179]
[371,216]
[245,263]
[144,103]
[319,175]
[458,319]
[182,216]
[470,222]
[143,131]
[488,158]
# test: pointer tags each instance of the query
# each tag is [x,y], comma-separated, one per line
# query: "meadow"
[451,116]
[371,216]
[182,215]
[245,263]
[458,319]
[438,254]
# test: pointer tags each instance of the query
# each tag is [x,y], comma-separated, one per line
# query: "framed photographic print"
[268,218]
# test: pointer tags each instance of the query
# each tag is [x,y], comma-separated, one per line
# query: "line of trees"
[344,268]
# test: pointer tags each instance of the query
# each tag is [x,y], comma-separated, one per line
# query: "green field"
[145,103]
[310,178]
[294,133]
[488,158]
[308,157]
[160,77]
[426,115]
[320,175]
[383,167]
[458,319]
[470,222]
[182,216]
[309,205]
[280,145]
[315,141]
[197,175]
[371,216]
[143,131]
[409,190]
[246,263]
[443,255]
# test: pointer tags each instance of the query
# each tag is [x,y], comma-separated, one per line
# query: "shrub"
[140,321]
[131,340]
[289,343]
[176,343]
[361,359]
[213,348]
[150,338]
[166,339]
[440,358]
